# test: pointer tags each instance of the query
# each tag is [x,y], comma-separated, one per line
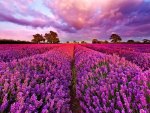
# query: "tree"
[130,41]
[37,38]
[56,41]
[54,34]
[51,37]
[43,40]
[75,42]
[48,37]
[83,42]
[106,42]
[95,41]
[146,41]
[115,38]
[67,42]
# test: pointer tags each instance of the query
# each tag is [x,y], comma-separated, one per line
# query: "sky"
[75,19]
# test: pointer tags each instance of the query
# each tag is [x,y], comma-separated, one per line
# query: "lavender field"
[75,78]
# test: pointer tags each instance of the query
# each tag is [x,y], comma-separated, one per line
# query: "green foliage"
[148,84]
[148,98]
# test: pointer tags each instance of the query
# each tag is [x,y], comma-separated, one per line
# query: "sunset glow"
[73,19]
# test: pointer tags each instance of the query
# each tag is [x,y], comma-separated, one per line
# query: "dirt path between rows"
[74,102]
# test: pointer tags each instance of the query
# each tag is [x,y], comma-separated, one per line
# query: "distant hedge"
[5,41]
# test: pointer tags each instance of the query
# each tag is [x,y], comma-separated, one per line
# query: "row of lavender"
[129,52]
[110,84]
[105,83]
[142,48]
[10,52]
[39,83]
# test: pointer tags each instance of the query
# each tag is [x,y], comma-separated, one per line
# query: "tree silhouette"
[10,41]
[54,34]
[83,42]
[146,41]
[115,38]
[51,37]
[130,41]
[37,38]
[95,41]
[43,40]
[48,37]
[56,41]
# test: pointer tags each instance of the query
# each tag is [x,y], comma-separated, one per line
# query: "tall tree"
[48,37]
[52,37]
[95,41]
[115,38]
[37,38]
[56,41]
[54,34]
[43,39]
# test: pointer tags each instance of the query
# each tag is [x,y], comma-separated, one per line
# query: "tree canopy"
[52,37]
[130,41]
[95,41]
[37,38]
[115,38]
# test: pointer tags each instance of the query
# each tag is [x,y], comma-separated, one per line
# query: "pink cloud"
[80,18]
[23,33]
[87,13]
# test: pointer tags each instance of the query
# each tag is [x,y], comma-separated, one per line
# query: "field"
[74,78]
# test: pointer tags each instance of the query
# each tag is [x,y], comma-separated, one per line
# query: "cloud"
[81,18]
[109,15]
[87,13]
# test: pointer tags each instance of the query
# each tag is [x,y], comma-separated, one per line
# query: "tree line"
[52,38]
[115,38]
[10,41]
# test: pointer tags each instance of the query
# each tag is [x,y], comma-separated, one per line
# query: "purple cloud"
[81,18]
[122,15]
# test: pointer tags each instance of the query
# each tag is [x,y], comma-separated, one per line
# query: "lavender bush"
[110,84]
[37,84]
[11,52]
[62,78]
[140,58]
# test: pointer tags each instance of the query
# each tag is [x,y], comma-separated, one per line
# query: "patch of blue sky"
[39,6]
[11,26]
[147,0]
[20,16]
